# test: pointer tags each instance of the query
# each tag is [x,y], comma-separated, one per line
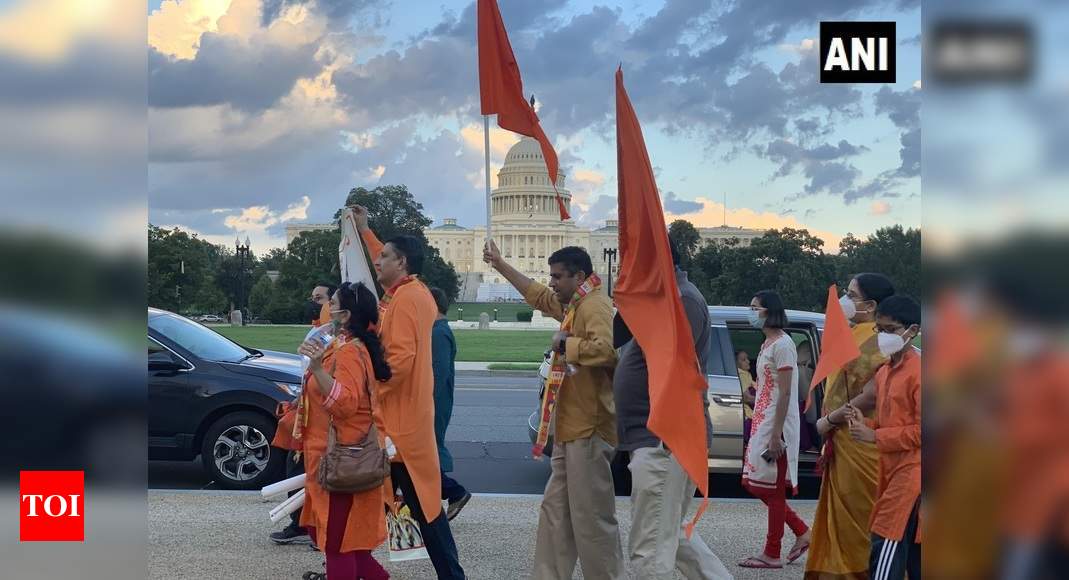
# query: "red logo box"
[52,506]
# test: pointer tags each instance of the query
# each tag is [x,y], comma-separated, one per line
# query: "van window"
[715,364]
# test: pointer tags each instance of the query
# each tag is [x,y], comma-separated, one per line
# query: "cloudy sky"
[263,112]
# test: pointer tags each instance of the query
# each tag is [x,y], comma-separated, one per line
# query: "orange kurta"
[407,399]
[351,408]
[898,438]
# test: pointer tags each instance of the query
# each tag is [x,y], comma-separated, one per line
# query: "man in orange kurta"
[407,315]
[896,431]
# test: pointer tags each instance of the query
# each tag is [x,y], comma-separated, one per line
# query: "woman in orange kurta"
[407,400]
[346,527]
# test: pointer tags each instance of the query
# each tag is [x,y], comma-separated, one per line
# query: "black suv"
[212,397]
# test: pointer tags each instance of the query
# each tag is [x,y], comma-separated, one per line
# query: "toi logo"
[51,506]
[857,52]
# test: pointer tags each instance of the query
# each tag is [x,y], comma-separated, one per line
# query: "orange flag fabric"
[837,346]
[648,299]
[501,89]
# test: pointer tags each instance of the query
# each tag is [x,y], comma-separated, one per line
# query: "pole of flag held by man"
[501,93]
[648,299]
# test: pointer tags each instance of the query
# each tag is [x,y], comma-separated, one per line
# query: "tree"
[183,271]
[260,296]
[687,240]
[393,211]
[892,251]
[310,259]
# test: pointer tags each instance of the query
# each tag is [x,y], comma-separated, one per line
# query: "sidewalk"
[200,535]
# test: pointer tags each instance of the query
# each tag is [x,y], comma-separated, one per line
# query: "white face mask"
[849,308]
[755,319]
[889,344]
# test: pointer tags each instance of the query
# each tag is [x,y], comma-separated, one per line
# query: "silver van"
[731,333]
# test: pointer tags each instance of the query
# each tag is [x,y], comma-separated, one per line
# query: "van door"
[725,405]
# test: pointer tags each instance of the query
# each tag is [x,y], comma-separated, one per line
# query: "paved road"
[487,436]
[199,535]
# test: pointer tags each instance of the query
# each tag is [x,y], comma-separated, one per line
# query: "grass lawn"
[506,311]
[522,346]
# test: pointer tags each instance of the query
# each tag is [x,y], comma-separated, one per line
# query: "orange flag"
[501,89]
[837,346]
[649,302]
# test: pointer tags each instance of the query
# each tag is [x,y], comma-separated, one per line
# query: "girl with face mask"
[770,463]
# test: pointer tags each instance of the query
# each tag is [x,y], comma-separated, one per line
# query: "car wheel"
[237,451]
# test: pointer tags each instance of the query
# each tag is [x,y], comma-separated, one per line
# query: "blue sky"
[268,111]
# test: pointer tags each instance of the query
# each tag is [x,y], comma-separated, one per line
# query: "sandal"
[314,576]
[797,552]
[756,562]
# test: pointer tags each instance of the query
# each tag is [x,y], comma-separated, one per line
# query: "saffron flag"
[501,89]
[837,345]
[649,301]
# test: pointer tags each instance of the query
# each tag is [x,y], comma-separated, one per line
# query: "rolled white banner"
[285,486]
[289,506]
[286,502]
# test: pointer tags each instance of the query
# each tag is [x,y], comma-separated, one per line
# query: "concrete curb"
[489,373]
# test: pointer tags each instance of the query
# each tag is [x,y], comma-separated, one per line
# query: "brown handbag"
[353,468]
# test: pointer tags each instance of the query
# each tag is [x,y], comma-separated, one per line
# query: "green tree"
[393,211]
[892,251]
[309,259]
[183,272]
[260,296]
[687,240]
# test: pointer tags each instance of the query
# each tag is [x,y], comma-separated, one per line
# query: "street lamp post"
[609,255]
[243,253]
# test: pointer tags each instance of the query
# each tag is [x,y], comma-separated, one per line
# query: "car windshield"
[199,340]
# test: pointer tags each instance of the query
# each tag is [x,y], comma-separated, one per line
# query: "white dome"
[526,151]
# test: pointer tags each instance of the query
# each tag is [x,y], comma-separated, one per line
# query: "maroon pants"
[779,513]
[358,565]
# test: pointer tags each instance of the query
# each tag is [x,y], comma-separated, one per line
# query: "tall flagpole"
[486,148]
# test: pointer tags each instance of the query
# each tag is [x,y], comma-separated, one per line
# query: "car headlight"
[291,389]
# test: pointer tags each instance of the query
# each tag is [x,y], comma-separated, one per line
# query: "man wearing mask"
[320,303]
[318,311]
[577,520]
[661,491]
[896,433]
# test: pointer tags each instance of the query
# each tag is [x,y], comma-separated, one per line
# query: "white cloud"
[807,45]
[712,214]
[917,84]
[260,217]
[880,208]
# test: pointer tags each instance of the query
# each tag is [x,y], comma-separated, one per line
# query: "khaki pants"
[661,492]
[578,515]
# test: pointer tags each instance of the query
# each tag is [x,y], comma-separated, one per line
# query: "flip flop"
[797,552]
[755,562]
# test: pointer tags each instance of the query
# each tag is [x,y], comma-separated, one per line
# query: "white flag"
[351,255]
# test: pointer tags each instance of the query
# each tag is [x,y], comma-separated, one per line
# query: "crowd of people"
[376,376]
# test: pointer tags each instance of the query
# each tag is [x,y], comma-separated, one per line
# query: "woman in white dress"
[770,464]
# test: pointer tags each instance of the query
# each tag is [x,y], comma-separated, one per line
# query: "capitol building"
[527,228]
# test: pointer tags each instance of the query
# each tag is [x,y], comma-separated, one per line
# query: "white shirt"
[777,355]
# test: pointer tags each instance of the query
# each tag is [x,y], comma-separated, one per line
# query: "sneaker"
[291,535]
[455,506]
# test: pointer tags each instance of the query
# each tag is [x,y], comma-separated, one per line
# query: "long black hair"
[363,312]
